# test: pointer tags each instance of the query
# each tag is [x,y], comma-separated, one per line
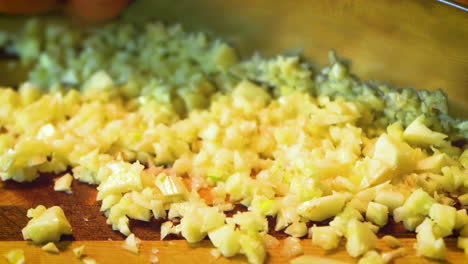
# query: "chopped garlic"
[295,158]
[215,253]
[170,185]
[226,239]
[88,260]
[46,225]
[360,238]
[326,237]
[392,241]
[166,229]
[444,217]
[79,251]
[461,219]
[388,257]
[296,229]
[463,199]
[51,248]
[322,208]
[306,259]
[292,247]
[252,246]
[418,133]
[462,243]
[391,199]
[270,241]
[153,259]
[132,244]
[427,243]
[377,213]
[63,184]
[15,256]
[371,257]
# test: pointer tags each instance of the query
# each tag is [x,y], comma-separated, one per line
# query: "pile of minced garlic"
[298,158]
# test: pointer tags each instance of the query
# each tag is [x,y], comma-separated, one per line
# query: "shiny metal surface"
[419,43]
[455,4]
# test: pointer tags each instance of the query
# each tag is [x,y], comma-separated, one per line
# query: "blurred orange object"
[96,10]
[88,10]
[26,7]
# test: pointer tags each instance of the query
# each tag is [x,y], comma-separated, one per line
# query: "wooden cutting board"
[105,245]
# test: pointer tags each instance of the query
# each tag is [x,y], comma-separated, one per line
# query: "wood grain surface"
[105,245]
[179,251]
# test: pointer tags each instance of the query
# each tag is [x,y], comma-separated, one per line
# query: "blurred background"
[417,43]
